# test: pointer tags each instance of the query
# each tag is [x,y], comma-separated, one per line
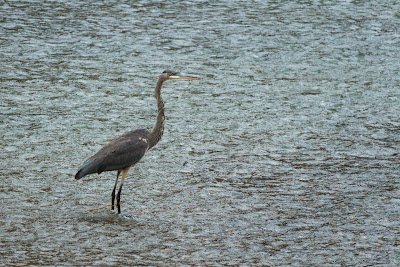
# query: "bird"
[125,151]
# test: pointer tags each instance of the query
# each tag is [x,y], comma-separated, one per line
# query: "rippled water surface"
[285,153]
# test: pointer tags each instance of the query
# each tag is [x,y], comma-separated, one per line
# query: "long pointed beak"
[183,76]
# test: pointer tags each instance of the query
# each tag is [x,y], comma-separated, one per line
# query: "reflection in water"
[286,153]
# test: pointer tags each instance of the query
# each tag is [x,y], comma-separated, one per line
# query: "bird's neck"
[158,129]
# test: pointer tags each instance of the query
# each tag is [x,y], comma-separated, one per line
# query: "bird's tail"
[80,174]
[88,167]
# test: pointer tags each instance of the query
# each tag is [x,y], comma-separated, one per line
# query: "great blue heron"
[126,150]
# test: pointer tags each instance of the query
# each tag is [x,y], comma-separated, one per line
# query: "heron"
[128,149]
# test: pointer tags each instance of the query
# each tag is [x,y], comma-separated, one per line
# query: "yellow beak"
[182,76]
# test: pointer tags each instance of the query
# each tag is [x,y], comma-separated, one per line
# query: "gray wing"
[122,152]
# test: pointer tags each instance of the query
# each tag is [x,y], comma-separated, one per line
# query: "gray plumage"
[126,150]
[121,153]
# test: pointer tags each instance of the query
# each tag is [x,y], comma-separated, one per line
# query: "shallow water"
[286,153]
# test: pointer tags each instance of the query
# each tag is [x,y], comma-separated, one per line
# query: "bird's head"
[174,75]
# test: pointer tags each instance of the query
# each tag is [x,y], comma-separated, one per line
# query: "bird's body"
[118,154]
[126,150]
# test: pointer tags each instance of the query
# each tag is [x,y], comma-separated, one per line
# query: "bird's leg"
[124,174]
[113,192]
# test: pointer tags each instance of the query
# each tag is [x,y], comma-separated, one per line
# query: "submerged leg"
[124,174]
[113,192]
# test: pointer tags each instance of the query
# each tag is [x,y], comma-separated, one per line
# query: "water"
[286,153]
